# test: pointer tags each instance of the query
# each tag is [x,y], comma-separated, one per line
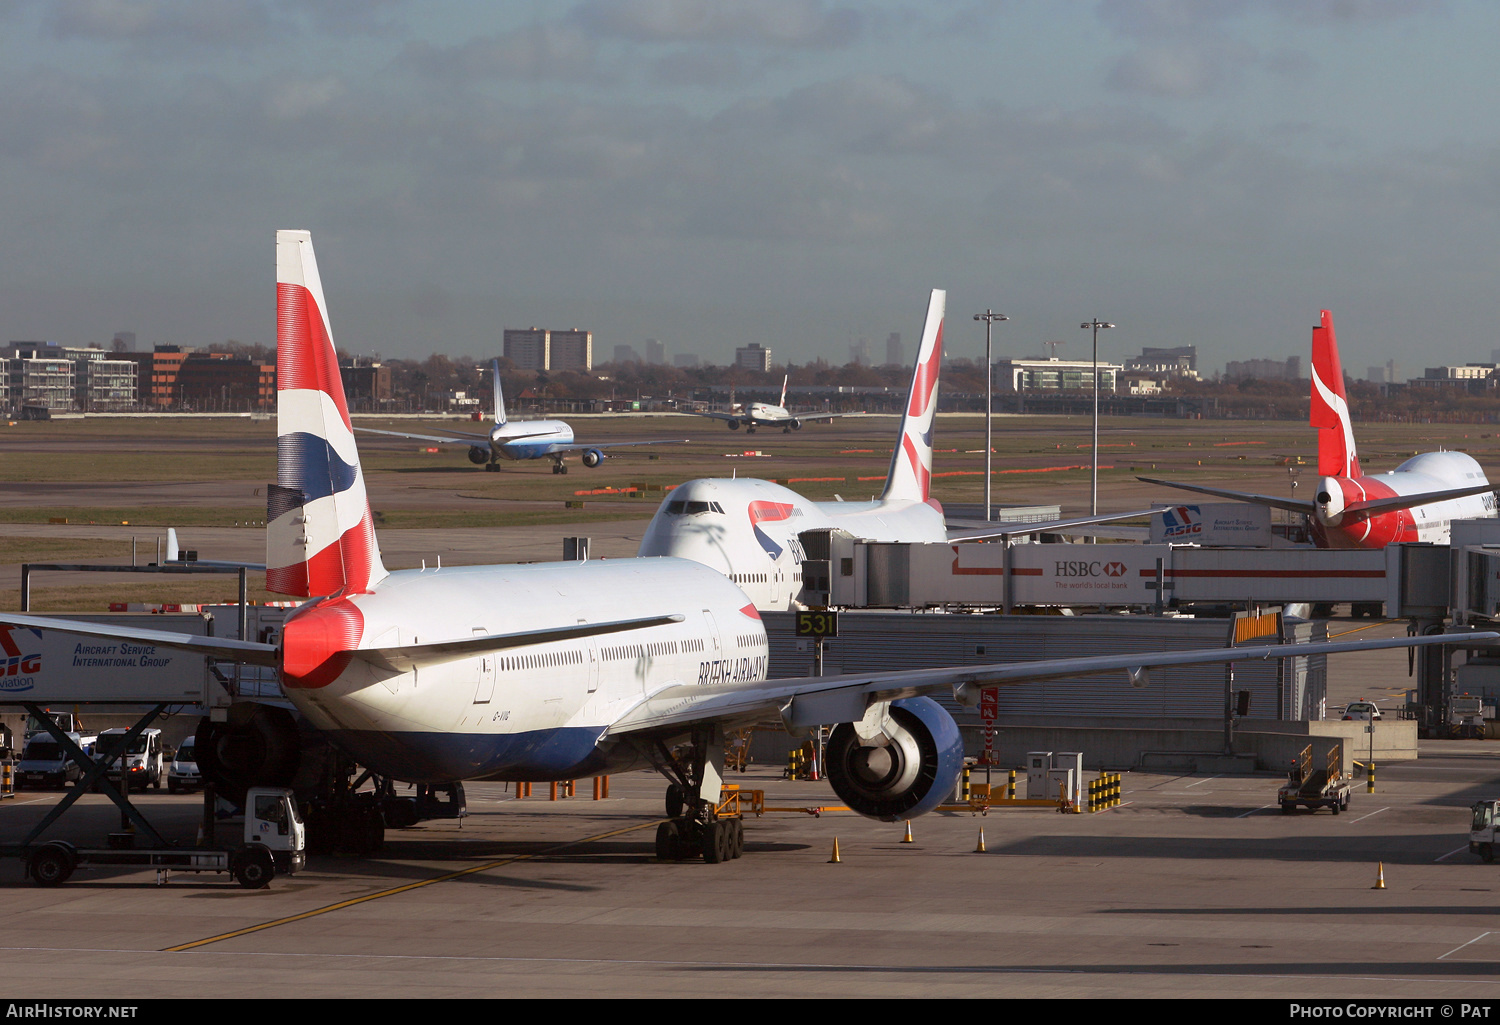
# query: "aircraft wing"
[985,531]
[722,416]
[459,438]
[1375,505]
[818,700]
[580,447]
[400,658]
[1289,504]
[823,416]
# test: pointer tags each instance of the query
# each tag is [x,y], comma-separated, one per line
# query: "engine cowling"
[259,745]
[796,425]
[733,425]
[478,455]
[910,774]
[592,457]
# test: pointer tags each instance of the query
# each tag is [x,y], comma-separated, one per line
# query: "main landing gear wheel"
[491,467]
[713,843]
[675,800]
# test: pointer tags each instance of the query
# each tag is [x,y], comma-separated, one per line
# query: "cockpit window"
[685,508]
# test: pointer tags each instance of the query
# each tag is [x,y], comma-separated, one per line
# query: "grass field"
[212,473]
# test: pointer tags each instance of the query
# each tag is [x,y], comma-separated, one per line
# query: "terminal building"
[1054,374]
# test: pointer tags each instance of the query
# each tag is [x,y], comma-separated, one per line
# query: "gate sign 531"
[812,623]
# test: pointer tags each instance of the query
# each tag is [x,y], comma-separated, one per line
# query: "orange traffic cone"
[907,838]
[980,848]
[835,860]
[1379,877]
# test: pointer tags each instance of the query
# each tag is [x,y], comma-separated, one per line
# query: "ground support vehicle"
[1324,787]
[1482,829]
[182,771]
[275,841]
[132,757]
[46,763]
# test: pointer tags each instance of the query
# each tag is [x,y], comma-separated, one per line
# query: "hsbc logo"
[1084,568]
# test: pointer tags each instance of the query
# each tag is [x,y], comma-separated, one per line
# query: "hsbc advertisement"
[1225,524]
[1085,574]
[1056,574]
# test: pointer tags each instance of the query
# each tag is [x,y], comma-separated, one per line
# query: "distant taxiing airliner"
[763,414]
[523,439]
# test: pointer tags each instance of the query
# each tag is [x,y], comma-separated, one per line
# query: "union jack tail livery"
[1330,408]
[910,476]
[320,539]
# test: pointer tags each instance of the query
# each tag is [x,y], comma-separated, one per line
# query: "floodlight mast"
[989,317]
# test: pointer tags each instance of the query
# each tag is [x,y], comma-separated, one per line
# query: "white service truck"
[275,841]
[1482,829]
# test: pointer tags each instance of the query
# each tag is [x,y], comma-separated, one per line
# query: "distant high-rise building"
[753,357]
[572,350]
[656,353]
[895,352]
[1264,369]
[626,354]
[1387,374]
[529,349]
[686,360]
[859,353]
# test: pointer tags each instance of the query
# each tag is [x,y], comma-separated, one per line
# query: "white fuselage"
[539,711]
[747,530]
[529,439]
[1422,474]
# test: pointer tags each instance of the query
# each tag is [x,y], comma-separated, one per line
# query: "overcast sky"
[793,172]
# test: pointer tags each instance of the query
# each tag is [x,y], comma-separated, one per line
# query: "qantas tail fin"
[1330,409]
[320,538]
[499,395]
[910,475]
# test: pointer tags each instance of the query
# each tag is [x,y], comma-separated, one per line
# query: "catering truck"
[274,841]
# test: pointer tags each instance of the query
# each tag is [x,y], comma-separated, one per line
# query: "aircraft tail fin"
[1330,408]
[499,394]
[172,548]
[910,476]
[320,537]
[784,379]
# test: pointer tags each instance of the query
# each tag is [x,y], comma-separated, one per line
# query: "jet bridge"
[865,574]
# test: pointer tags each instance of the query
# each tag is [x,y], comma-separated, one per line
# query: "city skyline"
[1206,172]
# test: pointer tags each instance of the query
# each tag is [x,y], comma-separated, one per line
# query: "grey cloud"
[799,23]
[547,51]
[163,22]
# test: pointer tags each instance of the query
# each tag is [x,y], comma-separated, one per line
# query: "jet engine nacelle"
[259,745]
[479,455]
[592,457]
[906,770]
[796,425]
[733,425]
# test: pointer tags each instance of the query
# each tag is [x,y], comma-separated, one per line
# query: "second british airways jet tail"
[523,439]
[748,529]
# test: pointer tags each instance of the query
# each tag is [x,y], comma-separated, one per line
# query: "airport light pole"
[989,317]
[1097,325]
